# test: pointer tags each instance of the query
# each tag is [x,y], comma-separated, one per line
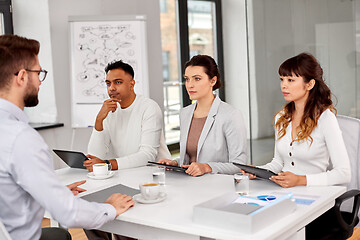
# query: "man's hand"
[108,105]
[92,160]
[120,202]
[168,162]
[197,169]
[74,187]
[288,179]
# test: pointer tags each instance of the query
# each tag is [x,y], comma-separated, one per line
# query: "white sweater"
[133,134]
[324,162]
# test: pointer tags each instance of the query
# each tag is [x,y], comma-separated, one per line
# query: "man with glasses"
[28,183]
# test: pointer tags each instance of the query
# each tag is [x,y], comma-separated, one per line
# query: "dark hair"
[16,53]
[306,66]
[210,66]
[120,65]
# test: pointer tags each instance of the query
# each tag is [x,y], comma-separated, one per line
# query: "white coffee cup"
[150,191]
[101,169]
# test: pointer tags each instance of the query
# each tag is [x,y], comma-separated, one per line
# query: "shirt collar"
[14,110]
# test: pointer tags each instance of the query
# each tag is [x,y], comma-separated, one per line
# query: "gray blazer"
[222,140]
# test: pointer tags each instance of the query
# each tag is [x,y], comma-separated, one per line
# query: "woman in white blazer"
[212,132]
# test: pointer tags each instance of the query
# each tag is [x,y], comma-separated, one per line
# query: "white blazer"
[222,140]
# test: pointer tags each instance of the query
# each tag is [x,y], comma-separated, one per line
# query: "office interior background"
[248,38]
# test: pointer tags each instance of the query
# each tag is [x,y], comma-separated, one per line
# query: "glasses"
[42,73]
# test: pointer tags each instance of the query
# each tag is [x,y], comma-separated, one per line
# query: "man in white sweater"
[128,126]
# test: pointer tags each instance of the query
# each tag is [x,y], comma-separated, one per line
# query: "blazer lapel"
[208,124]
[185,131]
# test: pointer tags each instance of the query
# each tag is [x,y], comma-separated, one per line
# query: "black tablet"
[258,172]
[71,158]
[175,168]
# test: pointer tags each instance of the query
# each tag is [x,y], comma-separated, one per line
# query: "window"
[2,26]
[163,6]
[188,28]
[6,24]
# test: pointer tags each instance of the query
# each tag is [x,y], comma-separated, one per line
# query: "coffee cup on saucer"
[150,191]
[101,169]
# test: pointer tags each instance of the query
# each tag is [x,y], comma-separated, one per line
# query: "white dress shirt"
[28,183]
[324,162]
[133,135]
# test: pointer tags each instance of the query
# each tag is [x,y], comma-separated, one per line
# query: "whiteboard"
[95,41]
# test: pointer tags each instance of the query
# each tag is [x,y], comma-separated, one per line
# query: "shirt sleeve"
[32,169]
[150,139]
[340,172]
[99,143]
[277,163]
[235,134]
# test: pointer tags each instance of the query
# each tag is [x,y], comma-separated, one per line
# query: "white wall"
[339,63]
[37,26]
[280,29]
[58,40]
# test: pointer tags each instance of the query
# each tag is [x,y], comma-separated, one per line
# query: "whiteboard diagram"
[97,41]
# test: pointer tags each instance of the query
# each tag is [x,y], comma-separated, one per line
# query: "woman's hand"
[197,169]
[251,176]
[289,179]
[168,162]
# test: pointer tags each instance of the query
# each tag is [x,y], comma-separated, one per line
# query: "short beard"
[31,97]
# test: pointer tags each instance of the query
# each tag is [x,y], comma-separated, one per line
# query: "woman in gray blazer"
[212,132]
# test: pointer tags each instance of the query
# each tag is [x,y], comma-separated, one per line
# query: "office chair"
[339,221]
[55,233]
[4,235]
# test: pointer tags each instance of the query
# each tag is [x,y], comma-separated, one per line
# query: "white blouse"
[324,161]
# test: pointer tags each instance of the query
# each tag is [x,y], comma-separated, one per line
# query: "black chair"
[335,224]
[339,221]
[4,235]
[54,233]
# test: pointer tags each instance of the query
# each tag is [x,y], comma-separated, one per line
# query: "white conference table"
[172,218]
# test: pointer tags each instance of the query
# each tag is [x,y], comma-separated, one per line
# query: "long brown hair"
[306,66]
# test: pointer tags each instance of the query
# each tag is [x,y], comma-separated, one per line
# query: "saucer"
[140,199]
[109,175]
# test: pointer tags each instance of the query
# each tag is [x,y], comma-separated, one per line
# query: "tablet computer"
[102,195]
[258,172]
[175,168]
[71,158]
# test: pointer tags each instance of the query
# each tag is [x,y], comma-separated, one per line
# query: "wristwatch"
[108,162]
